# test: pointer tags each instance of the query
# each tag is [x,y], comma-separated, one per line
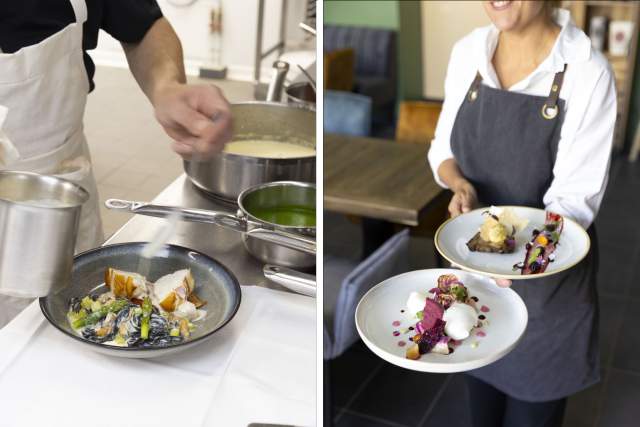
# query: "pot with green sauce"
[277,221]
[286,206]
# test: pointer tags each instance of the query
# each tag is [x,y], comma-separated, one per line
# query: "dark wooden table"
[377,178]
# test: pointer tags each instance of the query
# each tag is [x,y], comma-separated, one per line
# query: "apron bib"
[43,89]
[558,354]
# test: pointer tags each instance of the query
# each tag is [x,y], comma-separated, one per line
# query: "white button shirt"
[581,169]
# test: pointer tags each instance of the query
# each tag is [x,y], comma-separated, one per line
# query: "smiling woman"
[530,93]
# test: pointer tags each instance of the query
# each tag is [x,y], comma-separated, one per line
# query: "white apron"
[43,89]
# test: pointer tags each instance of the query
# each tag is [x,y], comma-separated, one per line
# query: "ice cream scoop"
[460,318]
[415,303]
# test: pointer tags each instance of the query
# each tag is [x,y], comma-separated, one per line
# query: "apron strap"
[475,85]
[80,10]
[550,107]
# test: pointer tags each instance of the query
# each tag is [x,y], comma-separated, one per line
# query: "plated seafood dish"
[497,234]
[134,312]
[541,248]
[445,316]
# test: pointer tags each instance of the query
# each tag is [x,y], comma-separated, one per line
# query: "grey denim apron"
[505,144]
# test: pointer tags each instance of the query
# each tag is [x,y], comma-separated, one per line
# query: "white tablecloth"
[260,368]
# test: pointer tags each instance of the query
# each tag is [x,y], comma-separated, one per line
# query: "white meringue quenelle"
[415,303]
[460,318]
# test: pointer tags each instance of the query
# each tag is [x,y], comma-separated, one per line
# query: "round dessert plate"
[383,323]
[452,236]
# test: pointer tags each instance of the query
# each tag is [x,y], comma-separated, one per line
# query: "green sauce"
[292,216]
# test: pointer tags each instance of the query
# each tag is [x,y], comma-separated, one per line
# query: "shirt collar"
[572,45]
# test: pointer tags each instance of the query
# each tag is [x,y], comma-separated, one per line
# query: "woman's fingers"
[503,283]
[465,201]
[455,207]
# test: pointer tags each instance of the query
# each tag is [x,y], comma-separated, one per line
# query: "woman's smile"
[500,4]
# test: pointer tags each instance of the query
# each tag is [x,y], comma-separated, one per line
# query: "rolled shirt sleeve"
[582,164]
[129,20]
[460,73]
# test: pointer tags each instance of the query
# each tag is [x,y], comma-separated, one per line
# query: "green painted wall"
[379,14]
[402,16]
[410,50]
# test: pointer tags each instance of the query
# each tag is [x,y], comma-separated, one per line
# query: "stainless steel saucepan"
[259,219]
[226,175]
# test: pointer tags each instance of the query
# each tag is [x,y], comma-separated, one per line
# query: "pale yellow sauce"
[268,149]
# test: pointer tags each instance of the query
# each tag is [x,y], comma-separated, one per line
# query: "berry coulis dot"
[396,323]
[401,343]
[484,309]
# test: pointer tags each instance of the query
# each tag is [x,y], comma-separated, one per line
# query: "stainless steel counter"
[219,243]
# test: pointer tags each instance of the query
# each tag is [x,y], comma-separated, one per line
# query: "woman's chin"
[505,23]
[503,14]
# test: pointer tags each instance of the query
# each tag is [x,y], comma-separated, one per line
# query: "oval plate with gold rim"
[452,236]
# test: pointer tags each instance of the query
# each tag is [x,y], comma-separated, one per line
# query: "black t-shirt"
[28,22]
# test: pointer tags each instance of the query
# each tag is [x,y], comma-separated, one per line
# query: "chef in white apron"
[43,93]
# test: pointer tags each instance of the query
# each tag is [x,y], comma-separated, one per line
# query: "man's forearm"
[156,61]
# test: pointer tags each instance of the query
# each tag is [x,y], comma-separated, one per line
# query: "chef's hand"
[464,198]
[503,283]
[196,117]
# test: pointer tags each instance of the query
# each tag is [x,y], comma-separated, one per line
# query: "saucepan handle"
[196,215]
[295,241]
[296,281]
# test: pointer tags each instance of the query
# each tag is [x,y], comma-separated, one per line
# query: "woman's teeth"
[500,4]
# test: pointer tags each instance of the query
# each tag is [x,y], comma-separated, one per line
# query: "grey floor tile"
[615,270]
[627,348]
[349,371]
[454,400]
[617,229]
[583,407]
[625,172]
[621,406]
[610,324]
[363,420]
[634,289]
[391,395]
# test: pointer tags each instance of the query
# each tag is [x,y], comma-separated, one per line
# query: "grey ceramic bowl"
[214,284]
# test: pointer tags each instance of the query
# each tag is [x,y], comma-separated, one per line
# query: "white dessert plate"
[452,236]
[383,326]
